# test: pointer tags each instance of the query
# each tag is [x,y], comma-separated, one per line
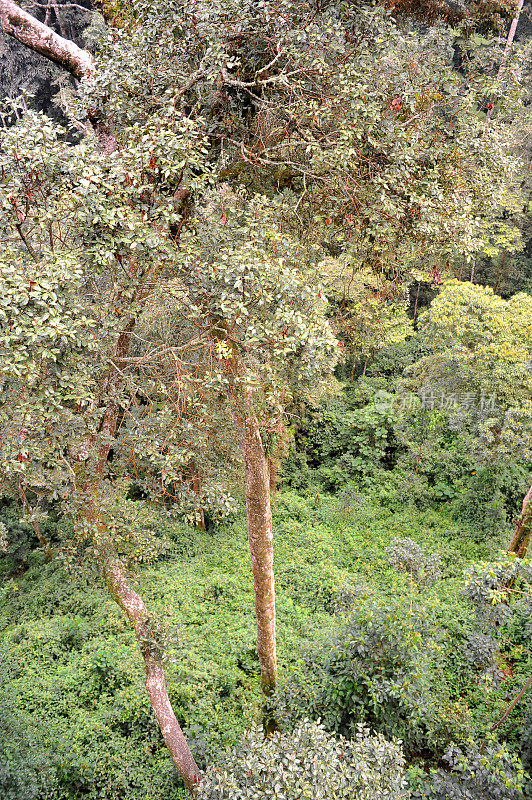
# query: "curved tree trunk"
[128,600]
[133,606]
[523,528]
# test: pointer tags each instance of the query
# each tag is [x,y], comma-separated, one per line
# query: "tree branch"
[508,710]
[43,40]
[523,528]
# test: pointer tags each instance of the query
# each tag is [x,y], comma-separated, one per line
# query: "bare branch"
[43,40]
[63,5]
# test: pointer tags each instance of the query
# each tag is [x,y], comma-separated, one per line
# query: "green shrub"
[18,540]
[407,556]
[494,774]
[80,726]
[25,769]
[381,670]
[340,442]
[308,763]
[491,494]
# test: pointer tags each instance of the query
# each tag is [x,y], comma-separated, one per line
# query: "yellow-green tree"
[482,344]
[480,347]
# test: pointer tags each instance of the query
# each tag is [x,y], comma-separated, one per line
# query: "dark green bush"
[19,539]
[340,442]
[381,670]
[491,494]
[494,774]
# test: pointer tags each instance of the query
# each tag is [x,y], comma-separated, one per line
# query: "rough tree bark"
[40,38]
[260,533]
[260,536]
[134,608]
[523,528]
[259,516]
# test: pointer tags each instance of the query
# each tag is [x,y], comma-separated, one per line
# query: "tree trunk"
[34,524]
[510,38]
[133,606]
[273,463]
[130,602]
[260,534]
[196,488]
[508,47]
[523,528]
[259,518]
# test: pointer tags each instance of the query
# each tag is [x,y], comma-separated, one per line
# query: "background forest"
[265,400]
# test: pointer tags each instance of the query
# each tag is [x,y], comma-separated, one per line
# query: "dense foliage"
[262,222]
[308,762]
[73,683]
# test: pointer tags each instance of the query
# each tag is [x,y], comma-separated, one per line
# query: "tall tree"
[356,136]
[480,343]
[107,246]
[245,289]
[77,268]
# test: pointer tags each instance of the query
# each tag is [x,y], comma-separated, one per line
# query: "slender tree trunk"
[130,602]
[417,298]
[259,518]
[508,47]
[473,269]
[508,711]
[511,37]
[35,525]
[134,608]
[523,528]
[499,273]
[196,487]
